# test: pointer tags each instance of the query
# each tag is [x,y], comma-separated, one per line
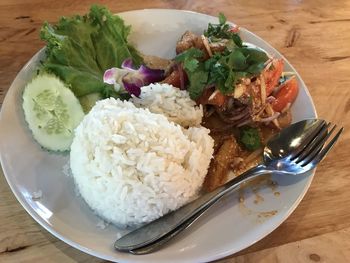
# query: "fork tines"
[316,146]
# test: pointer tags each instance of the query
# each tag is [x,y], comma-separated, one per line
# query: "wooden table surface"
[313,35]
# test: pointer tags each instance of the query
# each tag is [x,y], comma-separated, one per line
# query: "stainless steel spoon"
[296,149]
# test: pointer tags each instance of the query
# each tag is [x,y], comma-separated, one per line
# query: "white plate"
[226,229]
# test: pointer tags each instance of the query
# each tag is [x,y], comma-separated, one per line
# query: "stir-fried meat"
[188,40]
[219,46]
[220,164]
[155,62]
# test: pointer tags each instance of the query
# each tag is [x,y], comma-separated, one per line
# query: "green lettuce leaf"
[81,48]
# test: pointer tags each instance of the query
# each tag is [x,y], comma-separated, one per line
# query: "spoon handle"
[164,239]
[161,227]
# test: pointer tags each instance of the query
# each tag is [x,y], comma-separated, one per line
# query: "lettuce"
[81,48]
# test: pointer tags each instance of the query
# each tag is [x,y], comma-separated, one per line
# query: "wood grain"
[313,35]
[316,249]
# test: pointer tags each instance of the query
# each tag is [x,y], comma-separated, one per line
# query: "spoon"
[294,150]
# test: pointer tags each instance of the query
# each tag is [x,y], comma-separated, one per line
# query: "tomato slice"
[286,94]
[272,76]
[207,97]
[218,99]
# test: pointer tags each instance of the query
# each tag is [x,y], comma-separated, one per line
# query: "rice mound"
[172,102]
[132,166]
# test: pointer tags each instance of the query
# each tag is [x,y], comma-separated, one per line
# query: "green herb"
[198,81]
[196,72]
[250,138]
[222,19]
[190,59]
[81,48]
[226,69]
[223,69]
[222,30]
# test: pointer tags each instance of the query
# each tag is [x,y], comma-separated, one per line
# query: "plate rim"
[28,208]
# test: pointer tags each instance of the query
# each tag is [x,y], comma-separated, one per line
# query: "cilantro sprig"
[196,72]
[225,69]
[215,32]
[250,138]
[190,58]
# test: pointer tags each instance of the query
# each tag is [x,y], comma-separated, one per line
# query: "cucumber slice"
[52,112]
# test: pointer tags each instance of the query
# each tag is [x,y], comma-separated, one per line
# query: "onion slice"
[262,89]
[270,111]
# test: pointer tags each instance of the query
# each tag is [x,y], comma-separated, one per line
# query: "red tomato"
[272,76]
[286,94]
[218,99]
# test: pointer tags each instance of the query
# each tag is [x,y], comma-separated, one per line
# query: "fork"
[284,154]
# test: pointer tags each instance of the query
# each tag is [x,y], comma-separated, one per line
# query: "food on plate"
[245,94]
[80,49]
[132,166]
[172,102]
[238,82]
[217,173]
[51,111]
[131,79]
[156,131]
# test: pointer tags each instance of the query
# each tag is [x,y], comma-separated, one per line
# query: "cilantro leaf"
[189,54]
[227,68]
[198,82]
[255,69]
[237,40]
[250,138]
[237,60]
[190,59]
[224,69]
[191,65]
[256,59]
[222,19]
[254,55]
[195,69]
[222,30]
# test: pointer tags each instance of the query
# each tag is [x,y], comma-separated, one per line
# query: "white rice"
[172,102]
[132,166]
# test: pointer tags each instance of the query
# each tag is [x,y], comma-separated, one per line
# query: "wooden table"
[313,35]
